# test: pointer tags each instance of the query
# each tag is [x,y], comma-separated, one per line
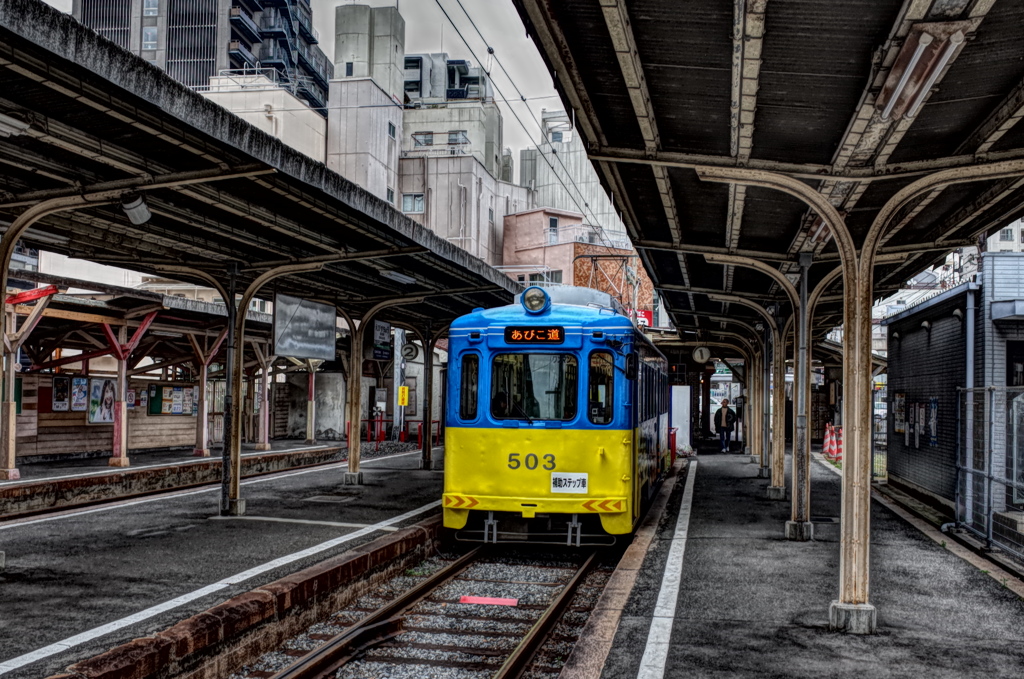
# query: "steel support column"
[777,489]
[311,366]
[426,457]
[799,527]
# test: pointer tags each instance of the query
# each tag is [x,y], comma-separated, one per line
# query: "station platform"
[79,582]
[74,482]
[753,604]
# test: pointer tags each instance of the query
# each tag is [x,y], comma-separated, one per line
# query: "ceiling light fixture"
[134,205]
[12,127]
[398,277]
[917,67]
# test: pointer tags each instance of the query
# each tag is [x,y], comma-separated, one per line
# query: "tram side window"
[469,393]
[600,387]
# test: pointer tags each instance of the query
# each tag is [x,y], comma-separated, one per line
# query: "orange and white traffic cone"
[839,443]
[827,444]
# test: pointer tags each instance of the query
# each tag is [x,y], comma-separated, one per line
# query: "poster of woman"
[102,393]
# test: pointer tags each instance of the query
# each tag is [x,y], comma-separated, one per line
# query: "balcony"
[244,25]
[240,54]
[304,20]
[438,151]
[251,5]
[315,63]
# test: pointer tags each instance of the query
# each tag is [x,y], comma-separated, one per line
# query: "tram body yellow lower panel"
[512,470]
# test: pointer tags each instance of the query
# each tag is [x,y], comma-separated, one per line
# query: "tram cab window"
[469,393]
[534,387]
[600,387]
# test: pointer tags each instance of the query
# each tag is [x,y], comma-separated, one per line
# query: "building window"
[150,8]
[423,139]
[391,130]
[549,277]
[348,69]
[149,37]
[412,203]
[490,215]
[552,230]
[458,137]
[1006,235]
[556,137]
[391,196]
[412,63]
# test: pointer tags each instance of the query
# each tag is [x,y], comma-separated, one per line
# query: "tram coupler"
[490,525]
[575,527]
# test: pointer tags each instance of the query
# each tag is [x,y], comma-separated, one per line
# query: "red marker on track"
[488,601]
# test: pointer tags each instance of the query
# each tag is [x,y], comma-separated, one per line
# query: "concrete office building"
[563,177]
[195,40]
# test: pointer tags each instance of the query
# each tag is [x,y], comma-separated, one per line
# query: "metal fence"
[990,466]
[879,440]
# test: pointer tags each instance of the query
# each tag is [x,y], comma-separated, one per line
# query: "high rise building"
[195,40]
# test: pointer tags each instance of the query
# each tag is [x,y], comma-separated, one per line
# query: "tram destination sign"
[534,335]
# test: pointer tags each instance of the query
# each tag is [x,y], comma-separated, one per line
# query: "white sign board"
[304,329]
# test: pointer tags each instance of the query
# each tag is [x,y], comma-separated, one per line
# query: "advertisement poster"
[143,398]
[381,341]
[79,394]
[130,398]
[933,422]
[61,394]
[102,393]
[188,395]
[177,399]
[899,409]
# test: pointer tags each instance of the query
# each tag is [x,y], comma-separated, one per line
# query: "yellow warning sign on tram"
[403,396]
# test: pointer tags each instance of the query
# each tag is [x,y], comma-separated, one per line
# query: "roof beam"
[999,122]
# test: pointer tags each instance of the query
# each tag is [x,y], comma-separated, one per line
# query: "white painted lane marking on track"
[171,463]
[652,665]
[70,642]
[215,488]
[307,522]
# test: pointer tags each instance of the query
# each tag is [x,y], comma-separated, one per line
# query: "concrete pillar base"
[262,446]
[3,561]
[236,507]
[353,478]
[9,475]
[776,492]
[800,531]
[755,459]
[764,472]
[852,618]
[309,442]
[201,452]
[119,462]
[428,465]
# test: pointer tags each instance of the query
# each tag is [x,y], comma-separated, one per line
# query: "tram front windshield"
[534,386]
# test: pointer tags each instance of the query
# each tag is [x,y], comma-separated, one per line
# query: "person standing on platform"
[725,420]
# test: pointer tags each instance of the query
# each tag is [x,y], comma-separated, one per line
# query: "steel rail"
[517,663]
[382,624]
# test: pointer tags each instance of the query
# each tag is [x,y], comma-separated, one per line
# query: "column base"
[776,492]
[764,472]
[236,507]
[119,462]
[852,618]
[353,478]
[309,442]
[201,452]
[262,447]
[9,475]
[799,531]
[429,465]
[3,562]
[755,459]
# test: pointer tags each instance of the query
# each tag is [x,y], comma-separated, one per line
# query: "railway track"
[430,630]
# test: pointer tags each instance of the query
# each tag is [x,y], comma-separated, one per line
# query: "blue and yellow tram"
[557,420]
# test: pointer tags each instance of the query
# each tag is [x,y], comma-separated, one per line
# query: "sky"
[427,30]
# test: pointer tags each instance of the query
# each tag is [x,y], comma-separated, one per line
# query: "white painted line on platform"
[307,522]
[652,665]
[171,495]
[70,642]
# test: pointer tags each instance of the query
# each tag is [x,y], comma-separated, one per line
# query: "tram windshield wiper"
[518,407]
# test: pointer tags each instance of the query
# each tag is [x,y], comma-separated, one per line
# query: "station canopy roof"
[79,114]
[663,90]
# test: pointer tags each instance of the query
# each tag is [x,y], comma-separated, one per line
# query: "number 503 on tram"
[557,420]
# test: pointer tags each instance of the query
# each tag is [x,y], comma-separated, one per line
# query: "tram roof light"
[535,300]
[398,277]
[916,68]
[12,127]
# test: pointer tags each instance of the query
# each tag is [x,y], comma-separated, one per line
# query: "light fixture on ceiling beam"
[134,205]
[12,127]
[917,67]
[398,277]
[820,233]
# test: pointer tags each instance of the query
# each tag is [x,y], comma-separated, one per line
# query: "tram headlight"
[535,300]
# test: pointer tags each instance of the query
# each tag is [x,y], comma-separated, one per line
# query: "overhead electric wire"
[490,50]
